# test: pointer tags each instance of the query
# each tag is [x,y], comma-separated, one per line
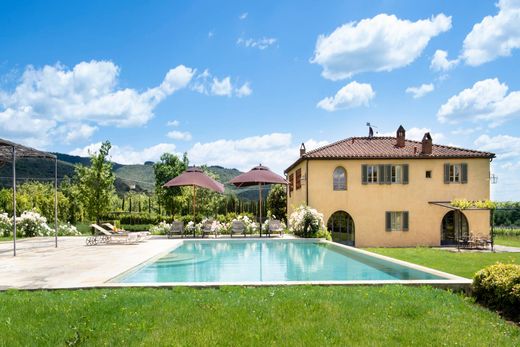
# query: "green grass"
[513,241]
[463,264]
[288,316]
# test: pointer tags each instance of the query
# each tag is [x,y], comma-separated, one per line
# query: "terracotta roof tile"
[385,148]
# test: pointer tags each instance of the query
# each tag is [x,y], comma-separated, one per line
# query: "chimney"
[400,137]
[302,150]
[427,144]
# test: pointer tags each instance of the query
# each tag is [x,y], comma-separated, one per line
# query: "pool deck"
[73,265]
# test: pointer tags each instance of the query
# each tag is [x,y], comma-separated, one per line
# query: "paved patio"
[38,264]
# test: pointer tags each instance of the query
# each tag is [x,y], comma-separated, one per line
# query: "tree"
[169,166]
[277,201]
[96,182]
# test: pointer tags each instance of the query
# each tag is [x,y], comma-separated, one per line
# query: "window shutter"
[388,221]
[464,174]
[447,173]
[364,174]
[381,174]
[405,174]
[405,221]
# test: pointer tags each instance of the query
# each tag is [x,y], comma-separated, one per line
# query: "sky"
[238,83]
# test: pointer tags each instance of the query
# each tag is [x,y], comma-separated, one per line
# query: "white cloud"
[245,90]
[179,135]
[221,87]
[275,150]
[422,90]
[206,83]
[381,43]
[128,155]
[173,123]
[261,43]
[486,100]
[417,134]
[495,36]
[52,98]
[75,132]
[210,34]
[440,61]
[243,16]
[352,95]
[506,147]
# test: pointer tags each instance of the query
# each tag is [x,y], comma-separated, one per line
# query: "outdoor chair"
[106,236]
[238,227]
[275,226]
[144,235]
[206,229]
[177,228]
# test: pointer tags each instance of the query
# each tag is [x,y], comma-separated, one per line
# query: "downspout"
[307,182]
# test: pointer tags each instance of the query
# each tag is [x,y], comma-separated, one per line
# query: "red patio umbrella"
[195,177]
[257,176]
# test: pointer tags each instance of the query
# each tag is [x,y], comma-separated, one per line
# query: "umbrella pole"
[260,206]
[194,195]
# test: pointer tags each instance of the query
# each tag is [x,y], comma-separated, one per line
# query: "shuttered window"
[384,174]
[455,173]
[291,182]
[339,179]
[396,221]
[298,178]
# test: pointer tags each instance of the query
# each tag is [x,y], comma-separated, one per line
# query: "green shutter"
[447,173]
[388,221]
[388,174]
[381,174]
[364,174]
[405,221]
[405,174]
[464,173]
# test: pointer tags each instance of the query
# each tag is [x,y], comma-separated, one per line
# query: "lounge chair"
[238,227]
[275,226]
[141,234]
[106,236]
[177,228]
[206,229]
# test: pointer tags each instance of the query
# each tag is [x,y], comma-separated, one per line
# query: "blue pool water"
[267,261]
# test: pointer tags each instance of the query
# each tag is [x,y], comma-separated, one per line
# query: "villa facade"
[392,192]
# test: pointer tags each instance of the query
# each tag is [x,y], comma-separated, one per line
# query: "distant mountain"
[138,177]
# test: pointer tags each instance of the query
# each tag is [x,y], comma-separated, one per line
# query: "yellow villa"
[392,192]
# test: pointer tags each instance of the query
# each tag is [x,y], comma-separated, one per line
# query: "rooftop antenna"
[371,130]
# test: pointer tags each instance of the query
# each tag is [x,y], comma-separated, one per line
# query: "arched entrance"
[454,226]
[341,226]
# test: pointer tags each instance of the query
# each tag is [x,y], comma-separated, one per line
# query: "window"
[384,174]
[397,173]
[339,179]
[291,183]
[372,173]
[455,173]
[397,221]
[428,173]
[298,178]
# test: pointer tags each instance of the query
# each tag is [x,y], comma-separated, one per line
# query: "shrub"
[498,287]
[6,225]
[160,229]
[32,224]
[307,222]
[67,229]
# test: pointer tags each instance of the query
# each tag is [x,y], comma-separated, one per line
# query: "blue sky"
[237,83]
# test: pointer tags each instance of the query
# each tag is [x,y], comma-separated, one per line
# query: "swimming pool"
[271,261]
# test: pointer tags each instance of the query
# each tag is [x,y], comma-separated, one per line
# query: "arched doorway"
[454,226]
[341,226]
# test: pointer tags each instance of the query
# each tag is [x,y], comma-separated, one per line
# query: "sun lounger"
[177,228]
[238,227]
[106,236]
[141,234]
[275,226]
[206,229]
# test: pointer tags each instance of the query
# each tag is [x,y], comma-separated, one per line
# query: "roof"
[6,151]
[385,148]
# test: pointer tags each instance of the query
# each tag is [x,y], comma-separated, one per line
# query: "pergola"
[9,152]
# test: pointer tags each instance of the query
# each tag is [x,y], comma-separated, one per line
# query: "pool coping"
[450,281]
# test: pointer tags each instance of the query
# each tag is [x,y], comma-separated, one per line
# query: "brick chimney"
[302,150]
[400,137]
[427,144]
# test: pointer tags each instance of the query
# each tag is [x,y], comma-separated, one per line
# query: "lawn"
[513,241]
[297,316]
[463,264]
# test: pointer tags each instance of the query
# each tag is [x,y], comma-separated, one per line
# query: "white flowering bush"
[191,227]
[31,224]
[6,225]
[251,227]
[161,229]
[265,226]
[218,227]
[67,229]
[307,222]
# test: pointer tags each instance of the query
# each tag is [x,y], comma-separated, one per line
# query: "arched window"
[340,179]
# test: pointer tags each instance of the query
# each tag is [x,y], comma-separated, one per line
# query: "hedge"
[498,287]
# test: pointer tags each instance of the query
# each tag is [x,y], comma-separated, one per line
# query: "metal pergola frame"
[9,151]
